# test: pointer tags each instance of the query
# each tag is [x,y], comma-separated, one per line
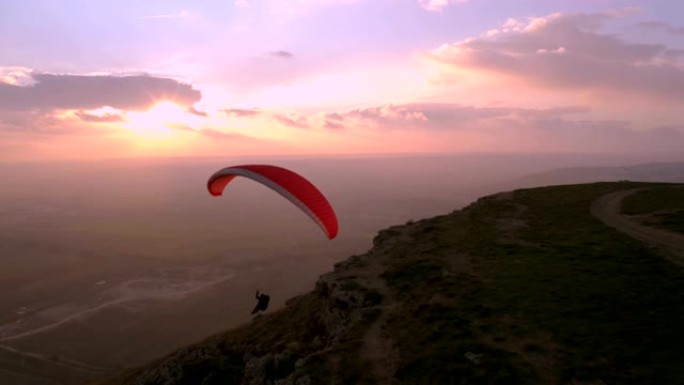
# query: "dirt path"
[607,209]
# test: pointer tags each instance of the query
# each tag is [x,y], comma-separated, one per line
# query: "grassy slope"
[524,288]
[664,205]
[560,297]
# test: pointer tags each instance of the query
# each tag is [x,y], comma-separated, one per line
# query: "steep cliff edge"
[519,287]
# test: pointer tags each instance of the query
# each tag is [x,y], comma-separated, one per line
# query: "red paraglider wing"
[290,185]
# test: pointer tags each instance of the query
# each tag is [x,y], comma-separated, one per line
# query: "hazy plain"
[109,264]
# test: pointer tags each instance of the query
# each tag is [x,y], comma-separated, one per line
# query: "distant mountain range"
[649,172]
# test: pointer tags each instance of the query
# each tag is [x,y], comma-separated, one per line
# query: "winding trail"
[127,295]
[61,361]
[607,209]
[125,299]
[62,321]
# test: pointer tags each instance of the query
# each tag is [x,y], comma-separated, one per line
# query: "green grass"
[612,308]
[438,321]
[664,204]
[611,302]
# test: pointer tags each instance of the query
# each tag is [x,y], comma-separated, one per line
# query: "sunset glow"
[341,77]
[162,120]
[160,161]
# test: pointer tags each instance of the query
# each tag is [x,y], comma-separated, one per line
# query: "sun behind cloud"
[162,120]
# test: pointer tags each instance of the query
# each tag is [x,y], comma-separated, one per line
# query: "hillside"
[521,287]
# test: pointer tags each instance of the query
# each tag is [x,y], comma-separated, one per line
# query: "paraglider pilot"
[262,303]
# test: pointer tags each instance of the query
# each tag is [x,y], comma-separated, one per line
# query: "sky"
[83,79]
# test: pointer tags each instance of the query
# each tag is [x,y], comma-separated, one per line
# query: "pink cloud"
[197,112]
[50,91]
[105,118]
[296,120]
[567,51]
[241,113]
[282,54]
[438,5]
[453,127]
[32,124]
[655,25]
[221,135]
[438,116]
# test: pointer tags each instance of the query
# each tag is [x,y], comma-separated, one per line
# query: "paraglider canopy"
[289,184]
